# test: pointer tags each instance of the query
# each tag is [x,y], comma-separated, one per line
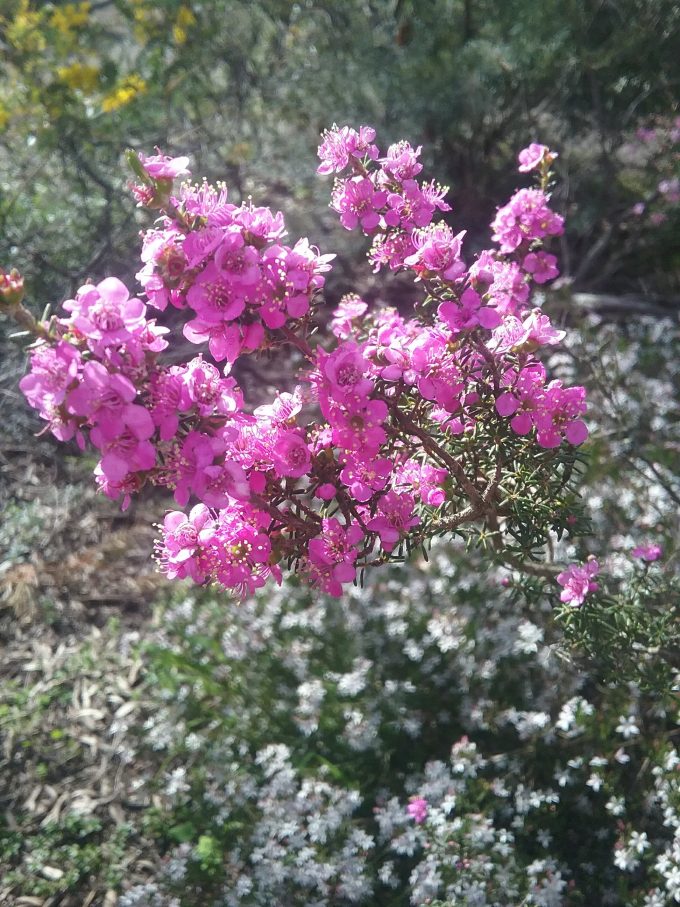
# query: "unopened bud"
[11,288]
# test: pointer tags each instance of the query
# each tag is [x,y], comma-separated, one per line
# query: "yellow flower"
[80,76]
[185,19]
[126,91]
[69,17]
[23,32]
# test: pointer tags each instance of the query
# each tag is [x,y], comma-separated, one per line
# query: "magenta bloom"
[340,144]
[239,552]
[438,251]
[216,296]
[105,399]
[395,517]
[344,370]
[418,809]
[540,330]
[468,313]
[424,479]
[577,581]
[162,167]
[53,370]
[291,455]
[332,555]
[365,478]
[541,266]
[532,157]
[224,483]
[106,314]
[358,203]
[649,552]
[185,466]
[181,543]
[362,429]
[558,416]
[401,161]
[526,217]
[130,450]
[350,307]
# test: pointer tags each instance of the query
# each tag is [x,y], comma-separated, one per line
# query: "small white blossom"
[627,727]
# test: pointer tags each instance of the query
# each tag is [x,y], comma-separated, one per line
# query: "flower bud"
[11,288]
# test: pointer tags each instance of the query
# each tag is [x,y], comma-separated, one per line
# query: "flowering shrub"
[402,430]
[420,739]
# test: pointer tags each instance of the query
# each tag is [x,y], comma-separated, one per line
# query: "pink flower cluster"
[648,552]
[227,265]
[578,582]
[333,495]
[418,808]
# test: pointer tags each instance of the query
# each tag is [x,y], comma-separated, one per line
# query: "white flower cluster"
[320,752]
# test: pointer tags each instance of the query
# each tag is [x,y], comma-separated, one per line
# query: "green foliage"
[60,856]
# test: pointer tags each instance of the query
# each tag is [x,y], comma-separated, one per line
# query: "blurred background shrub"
[246,88]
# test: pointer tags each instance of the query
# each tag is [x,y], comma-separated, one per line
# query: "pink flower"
[127,486]
[438,251]
[541,266]
[577,581]
[106,314]
[184,468]
[215,296]
[54,369]
[163,167]
[524,400]
[558,415]
[532,157]
[526,217]
[365,478]
[362,429]
[358,203]
[401,162]
[649,552]
[350,307]
[424,479]
[326,492]
[105,399]
[345,369]
[332,555]
[291,455]
[130,450]
[540,330]
[340,144]
[207,391]
[165,392]
[418,809]
[391,249]
[468,313]
[394,519]
[239,551]
[414,206]
[223,483]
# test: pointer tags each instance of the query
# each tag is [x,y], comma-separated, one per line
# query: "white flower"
[625,859]
[616,806]
[544,837]
[638,842]
[673,883]
[627,727]
[528,638]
